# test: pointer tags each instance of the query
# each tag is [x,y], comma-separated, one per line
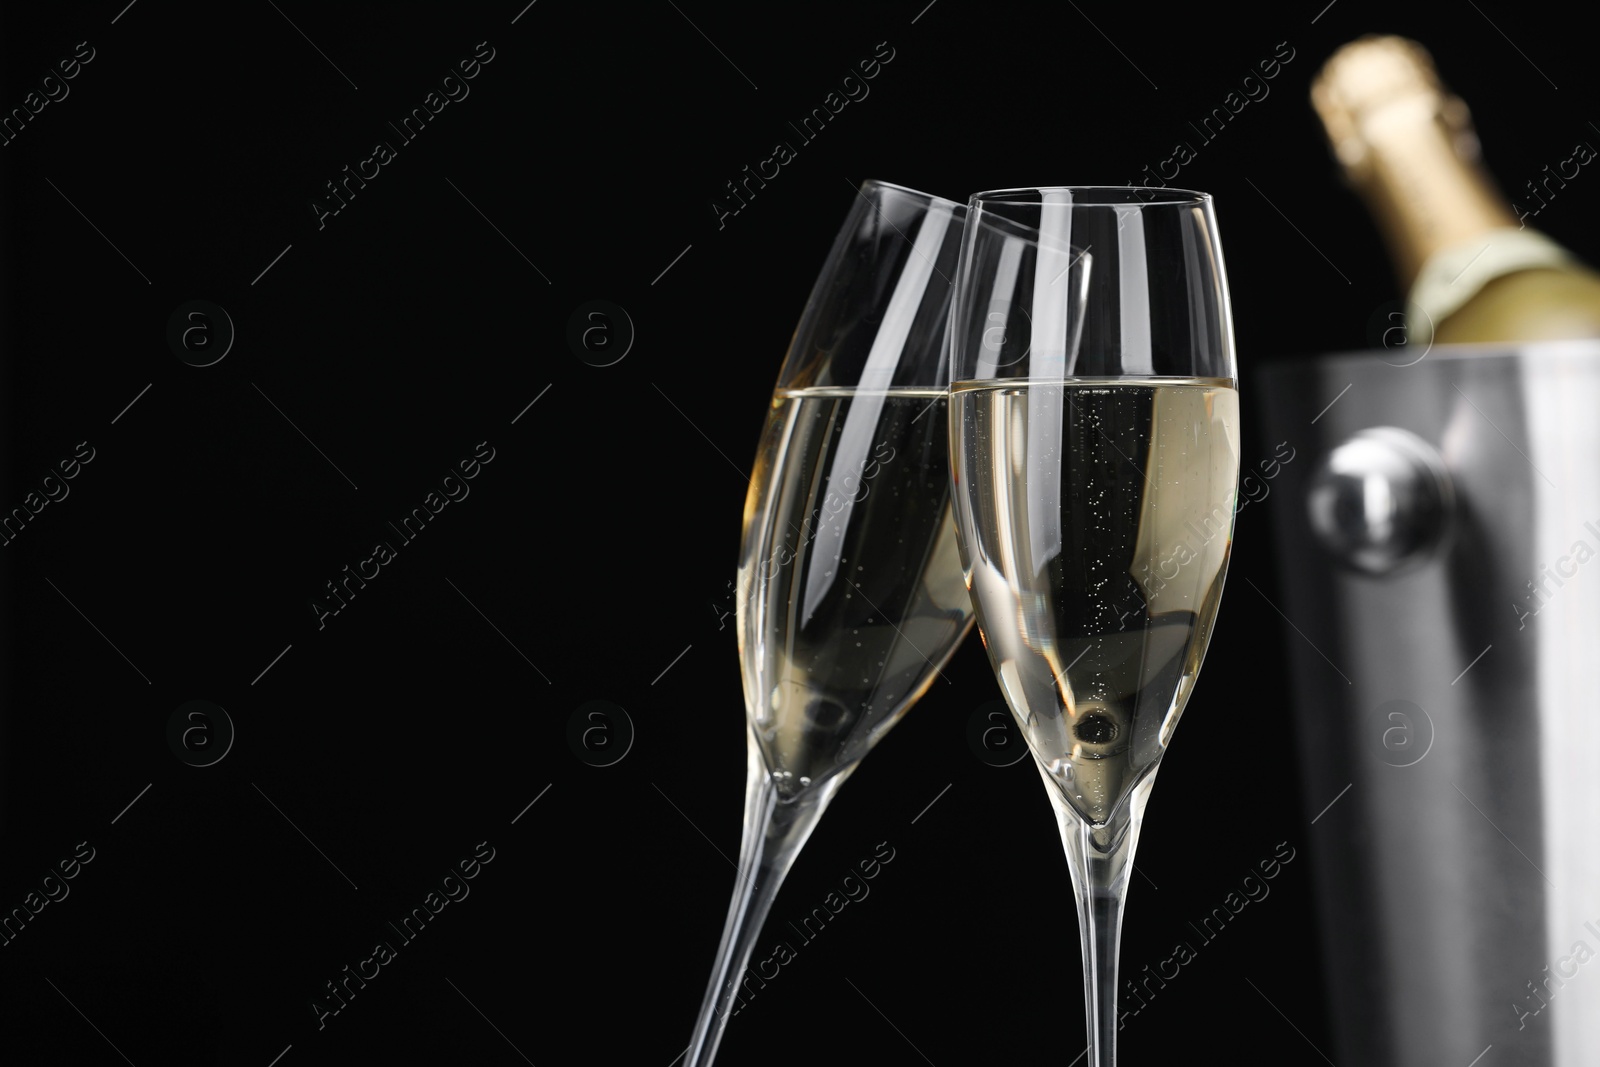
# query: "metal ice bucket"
[1438,536]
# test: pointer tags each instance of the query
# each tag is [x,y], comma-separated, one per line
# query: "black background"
[598,543]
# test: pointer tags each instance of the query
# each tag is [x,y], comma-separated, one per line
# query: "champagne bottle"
[1474,269]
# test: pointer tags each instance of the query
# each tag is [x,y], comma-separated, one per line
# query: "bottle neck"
[1424,195]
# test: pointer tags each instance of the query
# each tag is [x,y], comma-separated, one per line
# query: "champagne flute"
[850,592]
[1094,434]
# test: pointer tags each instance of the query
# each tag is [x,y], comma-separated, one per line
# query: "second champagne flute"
[850,588]
[1094,433]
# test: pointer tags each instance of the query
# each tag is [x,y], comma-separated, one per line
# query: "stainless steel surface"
[1380,500]
[1448,709]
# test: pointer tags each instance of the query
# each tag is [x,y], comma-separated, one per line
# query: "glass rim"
[984,209]
[916,194]
[1166,195]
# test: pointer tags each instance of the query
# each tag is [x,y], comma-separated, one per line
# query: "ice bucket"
[1438,545]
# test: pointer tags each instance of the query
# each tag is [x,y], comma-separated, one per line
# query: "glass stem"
[774,832]
[1101,857]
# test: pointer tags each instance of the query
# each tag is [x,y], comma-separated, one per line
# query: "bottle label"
[1453,275]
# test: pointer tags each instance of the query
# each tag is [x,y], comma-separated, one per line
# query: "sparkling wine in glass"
[850,589]
[1094,434]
